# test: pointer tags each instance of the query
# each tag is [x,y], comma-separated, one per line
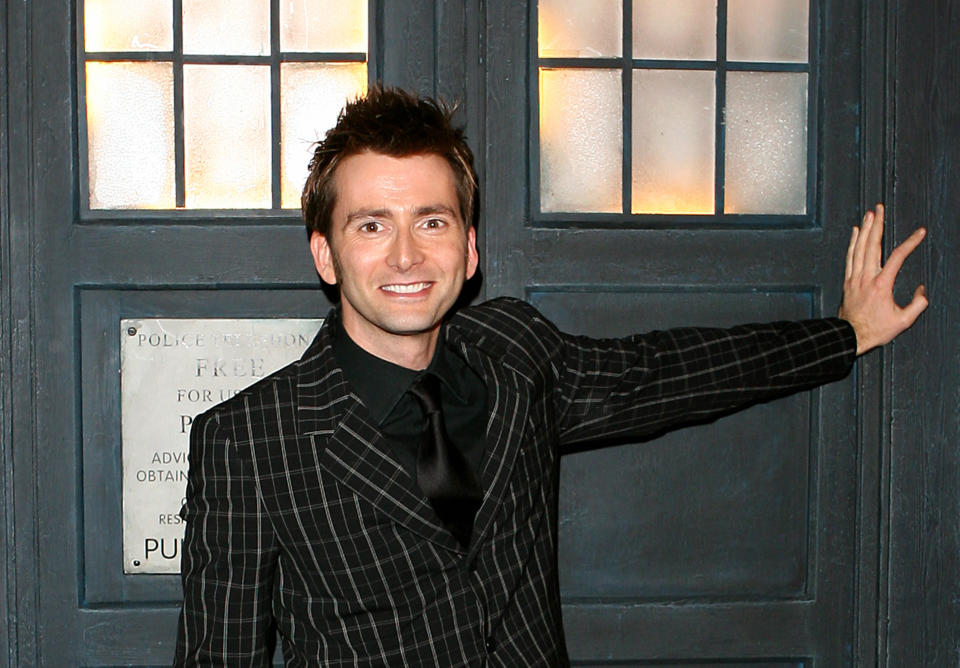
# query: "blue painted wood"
[922,556]
[634,591]
[855,562]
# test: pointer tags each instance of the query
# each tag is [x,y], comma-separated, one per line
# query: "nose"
[404,253]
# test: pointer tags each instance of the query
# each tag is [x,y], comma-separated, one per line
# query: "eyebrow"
[367,213]
[434,208]
[386,213]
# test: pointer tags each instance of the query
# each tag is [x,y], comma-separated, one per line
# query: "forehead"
[367,179]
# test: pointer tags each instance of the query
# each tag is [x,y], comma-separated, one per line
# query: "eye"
[370,226]
[433,223]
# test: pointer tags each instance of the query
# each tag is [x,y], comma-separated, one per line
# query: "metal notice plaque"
[171,369]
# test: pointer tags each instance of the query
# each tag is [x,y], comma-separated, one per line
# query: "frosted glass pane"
[227,136]
[121,25]
[323,25]
[130,135]
[682,29]
[673,141]
[767,30]
[766,143]
[581,140]
[580,28]
[226,27]
[312,96]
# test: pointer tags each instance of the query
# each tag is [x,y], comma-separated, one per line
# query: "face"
[398,248]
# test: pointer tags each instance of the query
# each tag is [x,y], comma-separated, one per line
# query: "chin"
[410,326]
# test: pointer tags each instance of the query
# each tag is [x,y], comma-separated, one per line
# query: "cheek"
[358,262]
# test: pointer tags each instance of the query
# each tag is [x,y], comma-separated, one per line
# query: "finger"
[848,269]
[874,257]
[916,306]
[902,252]
[860,251]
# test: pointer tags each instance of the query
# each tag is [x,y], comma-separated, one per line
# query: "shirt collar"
[379,384]
[448,367]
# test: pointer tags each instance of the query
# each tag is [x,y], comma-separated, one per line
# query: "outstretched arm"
[868,302]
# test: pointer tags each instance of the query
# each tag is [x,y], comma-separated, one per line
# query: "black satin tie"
[443,473]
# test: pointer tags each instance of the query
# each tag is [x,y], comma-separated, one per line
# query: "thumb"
[916,306]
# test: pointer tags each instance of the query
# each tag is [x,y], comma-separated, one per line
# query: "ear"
[473,259]
[323,258]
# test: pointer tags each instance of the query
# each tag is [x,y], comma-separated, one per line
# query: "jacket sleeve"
[643,385]
[228,557]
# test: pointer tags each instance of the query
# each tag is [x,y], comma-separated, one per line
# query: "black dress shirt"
[382,387]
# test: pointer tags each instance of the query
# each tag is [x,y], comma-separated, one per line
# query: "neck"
[411,351]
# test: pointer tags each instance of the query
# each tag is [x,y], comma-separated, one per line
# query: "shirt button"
[490,645]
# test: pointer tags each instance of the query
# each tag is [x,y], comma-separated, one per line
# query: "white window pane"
[580,28]
[227,136]
[673,141]
[235,27]
[130,135]
[766,143]
[323,25]
[312,96]
[681,29]
[767,30]
[121,25]
[581,140]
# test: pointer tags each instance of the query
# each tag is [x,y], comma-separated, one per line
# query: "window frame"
[626,64]
[178,59]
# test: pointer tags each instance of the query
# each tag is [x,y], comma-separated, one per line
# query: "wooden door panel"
[719,510]
[86,272]
[724,542]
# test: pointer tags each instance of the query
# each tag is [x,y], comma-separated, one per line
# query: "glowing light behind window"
[312,97]
[673,141]
[674,119]
[323,25]
[581,140]
[122,25]
[228,95]
[577,29]
[227,136]
[680,29]
[766,158]
[130,135]
[768,30]
[239,27]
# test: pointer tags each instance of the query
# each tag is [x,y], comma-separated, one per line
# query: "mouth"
[406,288]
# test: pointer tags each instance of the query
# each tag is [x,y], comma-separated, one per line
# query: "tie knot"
[427,391]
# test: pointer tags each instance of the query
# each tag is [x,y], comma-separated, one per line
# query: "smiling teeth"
[406,289]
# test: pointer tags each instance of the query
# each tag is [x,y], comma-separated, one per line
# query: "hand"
[868,285]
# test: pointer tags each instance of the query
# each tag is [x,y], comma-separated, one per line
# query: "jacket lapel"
[340,427]
[508,401]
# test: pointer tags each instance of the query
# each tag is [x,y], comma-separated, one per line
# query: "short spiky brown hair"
[393,122]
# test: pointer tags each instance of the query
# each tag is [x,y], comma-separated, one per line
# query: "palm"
[868,302]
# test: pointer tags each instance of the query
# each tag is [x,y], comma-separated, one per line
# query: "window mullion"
[178,132]
[721,84]
[627,69]
[275,92]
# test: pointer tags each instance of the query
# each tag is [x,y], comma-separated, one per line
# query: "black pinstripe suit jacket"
[298,519]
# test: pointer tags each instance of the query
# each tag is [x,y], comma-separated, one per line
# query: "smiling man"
[391,497]
[399,249]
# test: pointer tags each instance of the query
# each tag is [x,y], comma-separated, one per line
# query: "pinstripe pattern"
[299,520]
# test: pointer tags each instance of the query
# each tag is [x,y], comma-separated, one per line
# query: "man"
[390,498]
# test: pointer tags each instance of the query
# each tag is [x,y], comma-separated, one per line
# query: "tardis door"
[744,541]
[71,274]
[776,537]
